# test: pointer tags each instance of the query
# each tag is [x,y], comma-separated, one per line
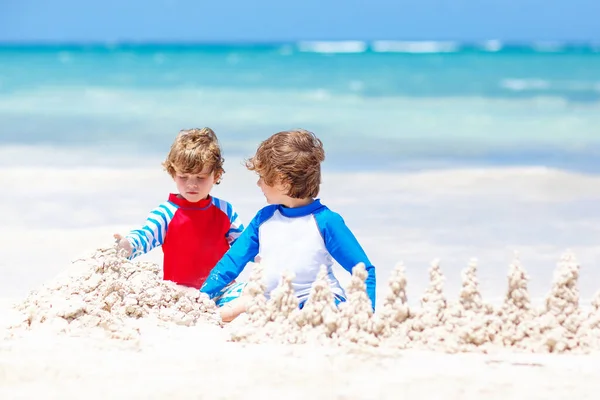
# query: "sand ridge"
[109,296]
[465,325]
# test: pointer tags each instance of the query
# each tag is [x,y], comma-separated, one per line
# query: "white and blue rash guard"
[298,240]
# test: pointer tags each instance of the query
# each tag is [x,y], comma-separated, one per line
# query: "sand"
[112,327]
[169,367]
[108,296]
[457,328]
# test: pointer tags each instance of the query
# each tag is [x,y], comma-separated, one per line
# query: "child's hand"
[123,245]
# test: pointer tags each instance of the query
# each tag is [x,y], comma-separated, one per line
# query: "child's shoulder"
[220,202]
[264,214]
[326,216]
[224,206]
[166,208]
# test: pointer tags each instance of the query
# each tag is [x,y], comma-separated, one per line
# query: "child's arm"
[233,262]
[153,232]
[236,227]
[343,246]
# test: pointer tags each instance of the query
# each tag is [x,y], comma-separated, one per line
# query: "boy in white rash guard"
[295,232]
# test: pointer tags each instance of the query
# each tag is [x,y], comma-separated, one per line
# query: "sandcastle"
[465,325]
[109,294]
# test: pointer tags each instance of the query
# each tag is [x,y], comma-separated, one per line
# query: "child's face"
[195,187]
[276,194]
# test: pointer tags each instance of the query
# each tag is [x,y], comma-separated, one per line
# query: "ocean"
[433,149]
[376,105]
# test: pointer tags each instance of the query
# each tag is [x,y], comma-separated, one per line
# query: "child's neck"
[291,202]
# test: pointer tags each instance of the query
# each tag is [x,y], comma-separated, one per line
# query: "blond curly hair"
[194,150]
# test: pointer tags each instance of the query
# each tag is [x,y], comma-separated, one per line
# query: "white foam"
[349,46]
[520,85]
[525,84]
[493,45]
[386,46]
[541,124]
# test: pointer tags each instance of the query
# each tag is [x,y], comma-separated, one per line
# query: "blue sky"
[278,20]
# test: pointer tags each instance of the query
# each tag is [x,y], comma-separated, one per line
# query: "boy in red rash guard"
[194,229]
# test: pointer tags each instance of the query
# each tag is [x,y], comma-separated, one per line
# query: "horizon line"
[509,42]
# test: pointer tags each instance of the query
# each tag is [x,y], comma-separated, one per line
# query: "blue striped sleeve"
[243,251]
[236,227]
[152,233]
[344,248]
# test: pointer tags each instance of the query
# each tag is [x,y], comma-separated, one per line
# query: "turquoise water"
[391,105]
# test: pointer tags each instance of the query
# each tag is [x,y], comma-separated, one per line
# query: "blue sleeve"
[241,252]
[236,227]
[344,248]
[153,232]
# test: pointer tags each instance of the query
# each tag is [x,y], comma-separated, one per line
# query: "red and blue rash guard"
[193,236]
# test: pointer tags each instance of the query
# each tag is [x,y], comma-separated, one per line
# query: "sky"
[279,20]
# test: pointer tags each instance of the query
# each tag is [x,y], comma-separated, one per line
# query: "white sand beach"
[412,218]
[197,363]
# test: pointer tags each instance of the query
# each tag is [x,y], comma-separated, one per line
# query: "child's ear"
[218,176]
